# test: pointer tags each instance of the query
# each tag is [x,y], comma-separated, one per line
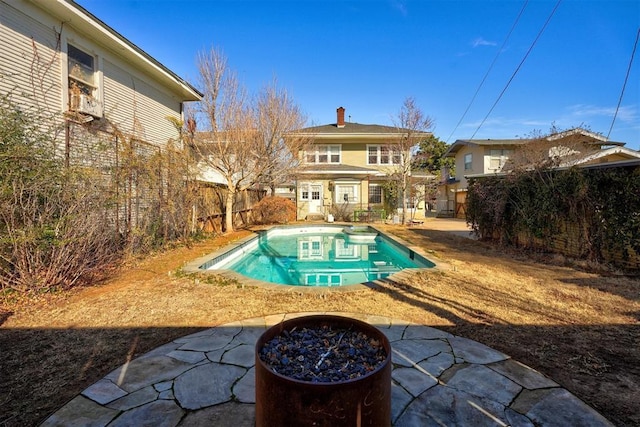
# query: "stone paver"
[208,378]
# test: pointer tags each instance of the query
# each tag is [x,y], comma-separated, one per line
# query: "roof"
[634,162]
[329,169]
[587,137]
[456,146]
[85,22]
[627,153]
[355,130]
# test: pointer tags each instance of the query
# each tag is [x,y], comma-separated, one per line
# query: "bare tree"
[413,126]
[556,148]
[243,142]
[278,116]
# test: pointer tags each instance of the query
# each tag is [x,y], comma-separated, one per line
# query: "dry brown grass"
[579,328]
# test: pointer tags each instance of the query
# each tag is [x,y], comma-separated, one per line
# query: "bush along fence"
[590,213]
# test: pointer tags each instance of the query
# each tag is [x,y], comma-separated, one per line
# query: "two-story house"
[345,166]
[477,157]
[98,94]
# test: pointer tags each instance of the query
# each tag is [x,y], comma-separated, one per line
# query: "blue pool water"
[319,256]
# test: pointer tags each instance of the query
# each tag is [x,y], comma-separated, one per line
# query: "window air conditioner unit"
[85,104]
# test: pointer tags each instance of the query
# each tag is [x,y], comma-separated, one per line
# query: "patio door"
[311,192]
[315,198]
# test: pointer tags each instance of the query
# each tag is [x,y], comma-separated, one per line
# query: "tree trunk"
[228,211]
[404,198]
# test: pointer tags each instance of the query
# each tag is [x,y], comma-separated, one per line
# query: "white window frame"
[92,89]
[468,164]
[379,187]
[324,154]
[498,158]
[307,192]
[385,154]
[339,195]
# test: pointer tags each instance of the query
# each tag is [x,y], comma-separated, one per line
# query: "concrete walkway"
[207,379]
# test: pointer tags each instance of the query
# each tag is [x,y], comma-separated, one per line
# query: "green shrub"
[589,213]
[274,210]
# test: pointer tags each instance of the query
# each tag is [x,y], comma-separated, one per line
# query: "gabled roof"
[634,163]
[456,146]
[601,155]
[356,130]
[591,161]
[83,21]
[585,136]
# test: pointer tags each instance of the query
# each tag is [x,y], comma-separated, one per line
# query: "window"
[82,78]
[310,191]
[324,154]
[315,193]
[468,161]
[375,194]
[83,81]
[346,193]
[498,158]
[383,155]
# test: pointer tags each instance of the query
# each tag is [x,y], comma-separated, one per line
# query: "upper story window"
[383,155]
[84,88]
[82,71]
[468,161]
[323,154]
[498,158]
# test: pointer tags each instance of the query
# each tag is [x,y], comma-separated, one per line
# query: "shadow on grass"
[612,285]
[43,369]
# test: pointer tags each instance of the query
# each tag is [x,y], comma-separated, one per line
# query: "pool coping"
[193,267]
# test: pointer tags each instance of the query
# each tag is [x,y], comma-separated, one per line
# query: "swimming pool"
[318,256]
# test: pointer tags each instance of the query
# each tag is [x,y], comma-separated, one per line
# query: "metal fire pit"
[284,401]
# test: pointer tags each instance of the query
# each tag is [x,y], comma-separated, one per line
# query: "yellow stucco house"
[344,169]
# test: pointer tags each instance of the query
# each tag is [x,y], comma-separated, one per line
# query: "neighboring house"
[479,157]
[103,95]
[345,167]
[58,58]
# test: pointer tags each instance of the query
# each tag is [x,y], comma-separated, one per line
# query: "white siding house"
[105,100]
[58,58]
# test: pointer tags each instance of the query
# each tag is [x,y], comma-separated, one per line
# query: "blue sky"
[368,56]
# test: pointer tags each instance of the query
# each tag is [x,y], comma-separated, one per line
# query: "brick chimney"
[340,122]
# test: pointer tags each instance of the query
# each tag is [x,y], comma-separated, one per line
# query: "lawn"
[580,328]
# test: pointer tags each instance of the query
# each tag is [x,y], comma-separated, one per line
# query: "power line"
[518,68]
[633,52]
[489,70]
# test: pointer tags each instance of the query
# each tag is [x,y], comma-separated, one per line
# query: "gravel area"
[323,354]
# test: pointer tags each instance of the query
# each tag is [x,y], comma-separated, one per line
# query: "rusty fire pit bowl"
[362,401]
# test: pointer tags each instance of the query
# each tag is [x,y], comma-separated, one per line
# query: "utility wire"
[518,68]
[489,70]
[633,52]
